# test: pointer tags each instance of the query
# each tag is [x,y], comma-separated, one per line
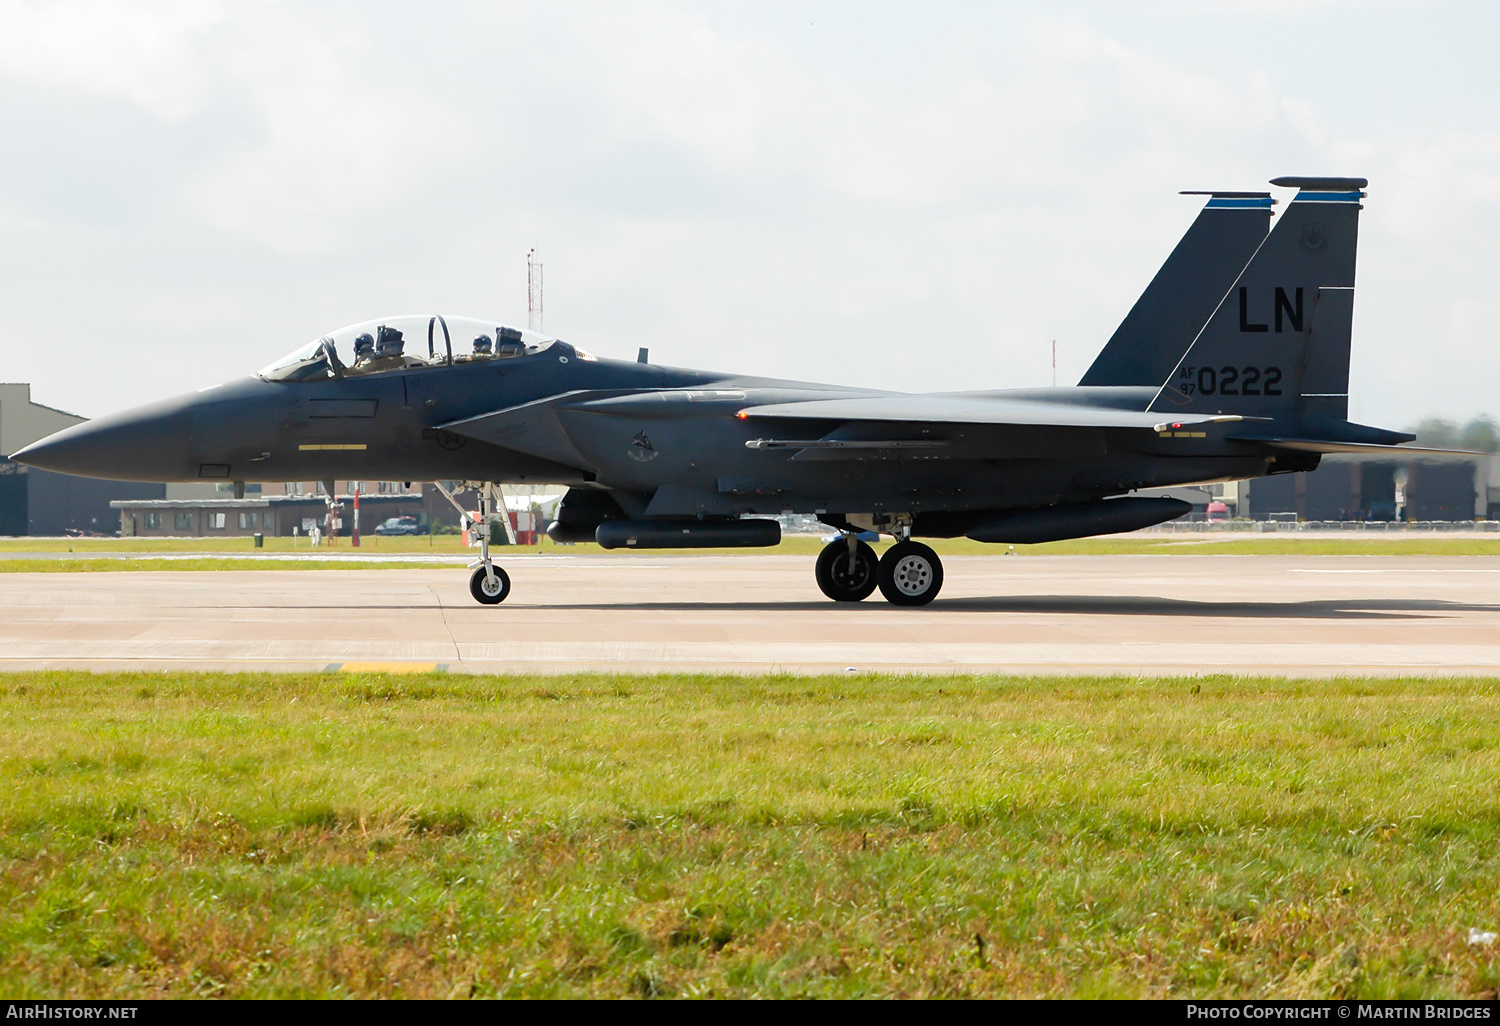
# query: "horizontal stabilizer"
[1324,446]
[1320,184]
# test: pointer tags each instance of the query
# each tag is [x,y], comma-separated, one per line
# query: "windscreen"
[310,363]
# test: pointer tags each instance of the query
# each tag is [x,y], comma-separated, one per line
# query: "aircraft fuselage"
[679,449]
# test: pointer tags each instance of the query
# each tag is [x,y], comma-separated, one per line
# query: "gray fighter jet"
[1233,364]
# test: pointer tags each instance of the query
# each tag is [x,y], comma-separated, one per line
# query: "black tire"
[477,587]
[910,574]
[845,583]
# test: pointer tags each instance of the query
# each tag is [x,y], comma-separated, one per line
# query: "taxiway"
[1176,614]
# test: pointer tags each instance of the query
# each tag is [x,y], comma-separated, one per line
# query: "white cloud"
[338,129]
[155,55]
[887,197]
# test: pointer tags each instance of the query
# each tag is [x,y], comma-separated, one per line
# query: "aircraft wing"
[947,409]
[1320,445]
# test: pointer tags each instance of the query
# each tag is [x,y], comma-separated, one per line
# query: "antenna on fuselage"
[533,291]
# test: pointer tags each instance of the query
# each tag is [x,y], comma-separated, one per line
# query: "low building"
[1378,487]
[209,511]
[270,514]
[40,502]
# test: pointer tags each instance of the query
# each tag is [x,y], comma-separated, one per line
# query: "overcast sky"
[865,193]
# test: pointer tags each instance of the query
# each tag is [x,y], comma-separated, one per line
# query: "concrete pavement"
[1179,614]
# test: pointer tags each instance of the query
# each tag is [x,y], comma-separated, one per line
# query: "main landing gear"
[847,569]
[909,574]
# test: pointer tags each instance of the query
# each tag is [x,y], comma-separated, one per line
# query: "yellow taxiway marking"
[326,448]
[386,667]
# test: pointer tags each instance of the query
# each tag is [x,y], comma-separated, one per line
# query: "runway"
[1175,614]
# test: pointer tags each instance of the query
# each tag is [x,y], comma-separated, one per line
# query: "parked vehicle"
[401,526]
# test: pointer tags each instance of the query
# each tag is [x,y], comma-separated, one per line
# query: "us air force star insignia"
[1313,238]
[641,449]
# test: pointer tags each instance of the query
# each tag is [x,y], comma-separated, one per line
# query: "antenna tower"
[533,292]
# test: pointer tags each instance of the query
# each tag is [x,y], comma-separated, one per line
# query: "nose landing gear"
[489,584]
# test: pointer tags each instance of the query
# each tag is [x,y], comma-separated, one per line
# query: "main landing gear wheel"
[910,574]
[843,579]
[488,590]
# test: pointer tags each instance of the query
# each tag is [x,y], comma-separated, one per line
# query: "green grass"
[32,566]
[327,835]
[369,544]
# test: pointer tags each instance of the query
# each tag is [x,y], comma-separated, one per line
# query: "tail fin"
[1278,344]
[1181,298]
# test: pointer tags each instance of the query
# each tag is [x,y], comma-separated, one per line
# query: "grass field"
[96,564]
[443,544]
[77,555]
[240,835]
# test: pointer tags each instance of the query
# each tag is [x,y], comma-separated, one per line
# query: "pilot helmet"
[482,344]
[364,345]
[389,342]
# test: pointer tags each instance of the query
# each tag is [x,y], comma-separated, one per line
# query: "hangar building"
[41,502]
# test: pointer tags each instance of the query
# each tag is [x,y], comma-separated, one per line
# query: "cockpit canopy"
[400,343]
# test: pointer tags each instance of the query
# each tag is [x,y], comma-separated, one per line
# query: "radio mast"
[533,292]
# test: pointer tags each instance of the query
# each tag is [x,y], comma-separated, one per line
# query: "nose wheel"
[489,585]
[910,574]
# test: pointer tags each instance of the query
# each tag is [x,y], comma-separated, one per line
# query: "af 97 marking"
[1231,380]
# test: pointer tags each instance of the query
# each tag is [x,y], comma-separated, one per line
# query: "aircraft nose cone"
[40,454]
[145,445]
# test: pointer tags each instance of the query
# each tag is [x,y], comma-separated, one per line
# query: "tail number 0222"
[1231,380]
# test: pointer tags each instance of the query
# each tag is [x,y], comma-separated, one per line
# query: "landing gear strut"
[489,584]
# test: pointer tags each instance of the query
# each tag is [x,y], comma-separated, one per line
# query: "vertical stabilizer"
[1183,295]
[1278,344]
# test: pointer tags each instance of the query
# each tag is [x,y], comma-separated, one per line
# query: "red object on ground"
[524,524]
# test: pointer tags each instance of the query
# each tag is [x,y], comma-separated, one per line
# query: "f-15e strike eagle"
[1233,364]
